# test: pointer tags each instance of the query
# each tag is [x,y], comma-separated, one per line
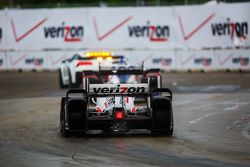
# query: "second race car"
[71,70]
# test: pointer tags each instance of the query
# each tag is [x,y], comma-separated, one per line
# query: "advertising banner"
[3,64]
[46,29]
[195,60]
[232,59]
[181,37]
[187,27]
[27,60]
[3,41]
[125,28]
[213,26]
[166,60]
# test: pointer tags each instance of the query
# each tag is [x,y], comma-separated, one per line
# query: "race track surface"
[211,126]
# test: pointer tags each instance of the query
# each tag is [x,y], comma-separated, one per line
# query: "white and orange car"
[71,70]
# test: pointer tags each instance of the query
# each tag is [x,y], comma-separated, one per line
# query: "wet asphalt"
[211,125]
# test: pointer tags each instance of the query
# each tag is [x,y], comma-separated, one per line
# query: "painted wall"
[173,38]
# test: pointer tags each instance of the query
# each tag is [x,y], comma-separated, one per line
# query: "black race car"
[112,107]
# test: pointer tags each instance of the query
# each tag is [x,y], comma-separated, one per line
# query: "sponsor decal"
[34,61]
[1,62]
[229,28]
[1,34]
[155,33]
[203,61]
[118,89]
[67,33]
[243,61]
[162,61]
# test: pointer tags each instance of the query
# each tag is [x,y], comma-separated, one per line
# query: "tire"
[62,119]
[70,80]
[78,82]
[63,132]
[61,85]
[153,83]
[162,116]
[76,114]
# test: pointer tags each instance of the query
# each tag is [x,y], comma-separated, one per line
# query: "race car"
[71,70]
[115,109]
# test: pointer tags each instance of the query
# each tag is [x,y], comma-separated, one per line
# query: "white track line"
[235,106]
[235,123]
[245,131]
[202,117]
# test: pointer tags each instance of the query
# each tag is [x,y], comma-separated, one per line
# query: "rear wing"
[94,57]
[118,89]
[153,70]
[122,70]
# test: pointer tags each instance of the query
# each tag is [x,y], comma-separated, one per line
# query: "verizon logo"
[67,33]
[203,61]
[155,33]
[119,89]
[34,61]
[229,28]
[163,61]
[243,61]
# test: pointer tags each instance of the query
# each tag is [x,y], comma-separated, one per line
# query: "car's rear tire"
[76,114]
[162,116]
[63,132]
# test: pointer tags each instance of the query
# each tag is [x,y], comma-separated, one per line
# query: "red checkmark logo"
[186,60]
[223,61]
[147,58]
[19,38]
[101,37]
[54,62]
[15,62]
[189,35]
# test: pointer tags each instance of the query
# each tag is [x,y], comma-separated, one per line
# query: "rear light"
[90,76]
[98,54]
[99,59]
[155,74]
[119,115]
[109,58]
[84,63]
